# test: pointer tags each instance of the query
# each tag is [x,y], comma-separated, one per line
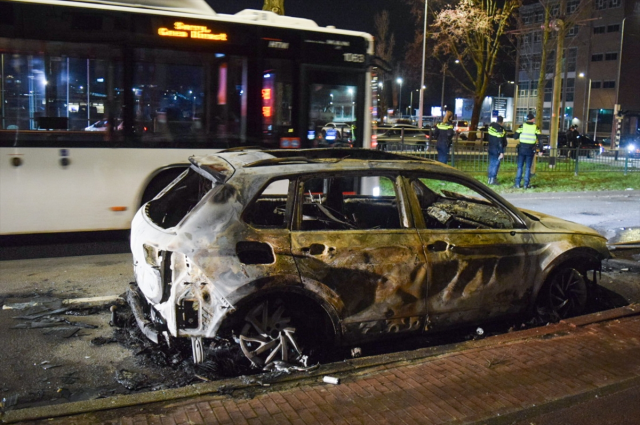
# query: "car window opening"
[449,209]
[174,204]
[350,203]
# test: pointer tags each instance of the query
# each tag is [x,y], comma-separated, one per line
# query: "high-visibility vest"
[528,133]
[495,133]
[444,126]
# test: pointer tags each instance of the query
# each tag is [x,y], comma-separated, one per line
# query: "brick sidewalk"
[457,387]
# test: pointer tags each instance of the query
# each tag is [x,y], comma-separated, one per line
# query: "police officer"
[443,133]
[528,135]
[572,140]
[497,144]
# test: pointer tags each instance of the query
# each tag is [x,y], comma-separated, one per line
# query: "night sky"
[354,15]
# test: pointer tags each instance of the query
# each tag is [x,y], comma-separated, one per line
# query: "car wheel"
[274,334]
[565,294]
[590,154]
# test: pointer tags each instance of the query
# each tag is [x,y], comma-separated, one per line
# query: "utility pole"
[424,54]
[275,6]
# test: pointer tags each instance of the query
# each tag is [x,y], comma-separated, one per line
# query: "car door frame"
[475,260]
[363,322]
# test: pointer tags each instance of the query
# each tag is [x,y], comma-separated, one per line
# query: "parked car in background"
[290,252]
[336,131]
[586,146]
[403,137]
[460,126]
[103,125]
[631,146]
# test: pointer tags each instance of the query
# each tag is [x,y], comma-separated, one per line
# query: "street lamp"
[399,81]
[352,105]
[500,87]
[444,75]
[585,112]
[411,106]
[424,54]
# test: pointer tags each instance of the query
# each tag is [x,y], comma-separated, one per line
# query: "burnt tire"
[279,332]
[564,295]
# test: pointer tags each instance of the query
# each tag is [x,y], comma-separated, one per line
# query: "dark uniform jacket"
[497,139]
[443,133]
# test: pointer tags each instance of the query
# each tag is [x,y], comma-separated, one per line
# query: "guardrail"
[471,156]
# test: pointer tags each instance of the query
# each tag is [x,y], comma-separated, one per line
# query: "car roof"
[296,161]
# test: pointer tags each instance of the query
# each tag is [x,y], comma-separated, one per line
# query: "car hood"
[560,225]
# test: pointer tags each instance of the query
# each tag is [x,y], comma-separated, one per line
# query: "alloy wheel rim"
[267,336]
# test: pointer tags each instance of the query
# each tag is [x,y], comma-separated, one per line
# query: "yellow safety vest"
[528,133]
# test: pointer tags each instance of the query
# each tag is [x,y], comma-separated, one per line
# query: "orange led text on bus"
[183,30]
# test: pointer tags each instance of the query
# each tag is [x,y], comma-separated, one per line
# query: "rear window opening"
[172,206]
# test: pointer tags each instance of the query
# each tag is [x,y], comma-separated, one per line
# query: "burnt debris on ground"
[224,359]
[151,366]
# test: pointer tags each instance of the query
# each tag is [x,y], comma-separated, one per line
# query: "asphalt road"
[57,364]
[614,214]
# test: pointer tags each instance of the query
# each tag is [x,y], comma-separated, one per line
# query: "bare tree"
[472,32]
[558,21]
[385,40]
[562,25]
[276,6]
[385,43]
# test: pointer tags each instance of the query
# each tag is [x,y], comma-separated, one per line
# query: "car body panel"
[372,282]
[379,277]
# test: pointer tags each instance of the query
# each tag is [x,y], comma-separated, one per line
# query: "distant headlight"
[631,147]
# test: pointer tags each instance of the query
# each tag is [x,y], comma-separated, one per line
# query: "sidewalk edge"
[533,411]
[223,387]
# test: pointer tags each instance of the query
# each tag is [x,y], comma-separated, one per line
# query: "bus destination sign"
[200,32]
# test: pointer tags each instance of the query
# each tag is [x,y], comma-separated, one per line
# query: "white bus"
[102,102]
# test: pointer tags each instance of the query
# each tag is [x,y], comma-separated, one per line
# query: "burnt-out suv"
[288,252]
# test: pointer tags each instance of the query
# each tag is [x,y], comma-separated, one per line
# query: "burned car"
[287,252]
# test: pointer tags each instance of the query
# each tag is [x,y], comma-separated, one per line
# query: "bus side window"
[61,88]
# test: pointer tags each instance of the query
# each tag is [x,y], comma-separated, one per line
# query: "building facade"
[600,64]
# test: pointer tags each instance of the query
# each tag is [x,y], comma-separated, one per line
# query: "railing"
[472,156]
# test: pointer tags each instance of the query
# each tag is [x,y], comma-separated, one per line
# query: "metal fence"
[471,156]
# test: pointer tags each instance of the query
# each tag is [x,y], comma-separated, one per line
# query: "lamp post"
[399,81]
[424,53]
[595,129]
[352,105]
[500,87]
[381,102]
[585,111]
[411,106]
[444,75]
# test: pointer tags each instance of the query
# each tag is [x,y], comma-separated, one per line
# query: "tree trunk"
[276,6]
[542,80]
[478,100]
[557,85]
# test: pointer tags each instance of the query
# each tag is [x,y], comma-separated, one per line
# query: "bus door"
[333,100]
